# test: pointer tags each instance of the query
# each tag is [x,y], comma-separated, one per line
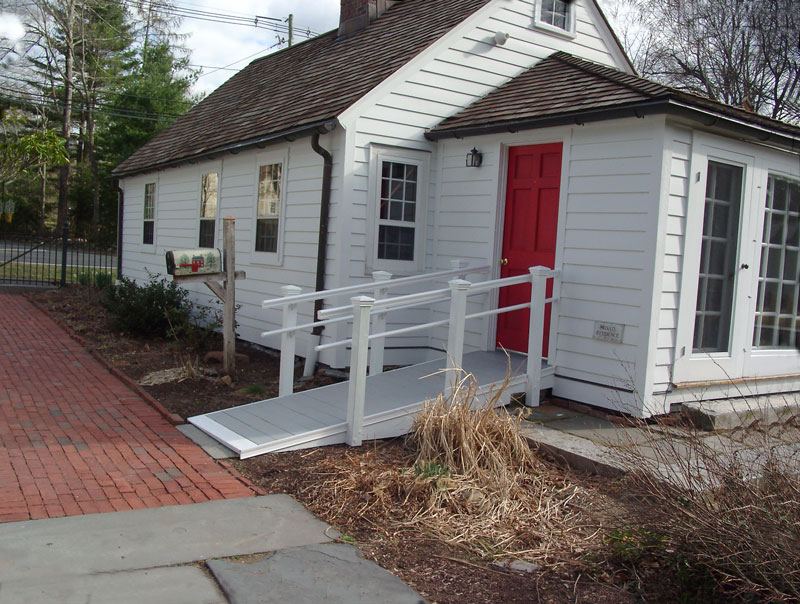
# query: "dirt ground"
[441,572]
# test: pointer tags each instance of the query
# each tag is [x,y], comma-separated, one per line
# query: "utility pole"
[291,29]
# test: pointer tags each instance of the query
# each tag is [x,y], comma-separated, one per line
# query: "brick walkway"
[74,439]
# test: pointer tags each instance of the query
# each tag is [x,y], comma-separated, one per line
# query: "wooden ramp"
[319,417]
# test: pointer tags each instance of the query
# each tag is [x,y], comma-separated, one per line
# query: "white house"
[674,220]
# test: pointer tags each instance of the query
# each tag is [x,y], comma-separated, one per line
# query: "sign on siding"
[608,332]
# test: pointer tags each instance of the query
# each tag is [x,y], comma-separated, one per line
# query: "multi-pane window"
[148,225]
[398,210]
[555,13]
[269,207]
[715,288]
[778,311]
[209,193]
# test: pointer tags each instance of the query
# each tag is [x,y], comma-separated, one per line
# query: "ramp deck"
[319,417]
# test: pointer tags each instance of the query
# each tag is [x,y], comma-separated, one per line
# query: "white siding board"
[678,147]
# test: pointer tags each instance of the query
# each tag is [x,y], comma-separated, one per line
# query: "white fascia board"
[354,111]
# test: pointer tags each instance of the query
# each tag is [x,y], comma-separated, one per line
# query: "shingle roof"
[565,86]
[301,86]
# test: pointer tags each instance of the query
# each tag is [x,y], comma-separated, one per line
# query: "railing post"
[357,388]
[455,335]
[64,252]
[539,275]
[288,342]
[376,353]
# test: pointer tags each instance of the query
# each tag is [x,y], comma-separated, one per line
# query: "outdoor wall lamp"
[474,158]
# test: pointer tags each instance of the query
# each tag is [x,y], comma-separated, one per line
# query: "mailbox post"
[209,266]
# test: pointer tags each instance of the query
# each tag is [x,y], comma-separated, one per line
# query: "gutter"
[322,248]
[322,126]
[120,205]
[655,106]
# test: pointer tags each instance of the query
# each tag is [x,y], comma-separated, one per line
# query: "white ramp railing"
[379,288]
[361,308]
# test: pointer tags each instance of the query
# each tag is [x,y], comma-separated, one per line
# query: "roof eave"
[666,104]
[572,117]
[321,126]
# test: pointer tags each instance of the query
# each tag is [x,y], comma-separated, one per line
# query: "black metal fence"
[27,260]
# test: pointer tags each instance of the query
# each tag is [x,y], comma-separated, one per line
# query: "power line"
[122,93]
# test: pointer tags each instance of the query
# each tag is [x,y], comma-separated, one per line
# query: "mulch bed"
[441,572]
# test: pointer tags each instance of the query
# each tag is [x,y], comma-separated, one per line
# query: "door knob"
[503,261]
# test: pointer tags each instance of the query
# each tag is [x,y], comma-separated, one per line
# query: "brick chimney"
[357,14]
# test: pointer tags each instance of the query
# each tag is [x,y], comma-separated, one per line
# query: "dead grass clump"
[476,483]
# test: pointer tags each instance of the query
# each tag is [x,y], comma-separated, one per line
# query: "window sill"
[267,259]
[557,31]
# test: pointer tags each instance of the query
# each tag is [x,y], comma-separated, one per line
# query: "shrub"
[722,515]
[150,310]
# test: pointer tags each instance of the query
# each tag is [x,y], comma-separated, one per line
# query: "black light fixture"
[474,158]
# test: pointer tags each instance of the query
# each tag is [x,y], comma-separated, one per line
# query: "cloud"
[11,27]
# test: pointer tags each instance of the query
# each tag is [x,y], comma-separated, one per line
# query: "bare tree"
[53,24]
[741,52]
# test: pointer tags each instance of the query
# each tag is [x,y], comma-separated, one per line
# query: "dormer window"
[556,16]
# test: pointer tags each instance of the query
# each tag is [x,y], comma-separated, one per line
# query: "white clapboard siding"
[679,148]
[177,216]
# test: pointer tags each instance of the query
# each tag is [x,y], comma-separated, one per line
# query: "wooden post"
[376,353]
[539,276]
[229,304]
[455,335]
[288,342]
[357,388]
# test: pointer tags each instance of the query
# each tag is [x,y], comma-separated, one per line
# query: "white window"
[739,310]
[720,238]
[209,197]
[778,307]
[398,194]
[269,215]
[149,220]
[557,16]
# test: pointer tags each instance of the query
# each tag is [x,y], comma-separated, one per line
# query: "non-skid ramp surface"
[333,573]
[318,417]
[78,546]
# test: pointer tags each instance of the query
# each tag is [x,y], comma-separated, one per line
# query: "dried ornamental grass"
[476,483]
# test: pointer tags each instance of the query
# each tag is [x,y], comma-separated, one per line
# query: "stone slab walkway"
[74,439]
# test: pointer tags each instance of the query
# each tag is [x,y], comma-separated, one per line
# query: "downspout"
[322,249]
[120,203]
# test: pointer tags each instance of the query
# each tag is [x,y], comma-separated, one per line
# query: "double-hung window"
[556,15]
[149,216]
[397,210]
[209,197]
[268,207]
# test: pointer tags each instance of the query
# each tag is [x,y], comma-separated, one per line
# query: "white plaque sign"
[608,332]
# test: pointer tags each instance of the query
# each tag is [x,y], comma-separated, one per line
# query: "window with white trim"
[778,309]
[557,16]
[268,207]
[149,217]
[715,287]
[398,193]
[209,197]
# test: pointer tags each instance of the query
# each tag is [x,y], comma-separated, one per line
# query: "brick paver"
[74,439]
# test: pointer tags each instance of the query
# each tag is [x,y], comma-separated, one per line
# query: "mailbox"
[200,261]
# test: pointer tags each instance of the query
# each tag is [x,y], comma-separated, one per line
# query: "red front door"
[529,235]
